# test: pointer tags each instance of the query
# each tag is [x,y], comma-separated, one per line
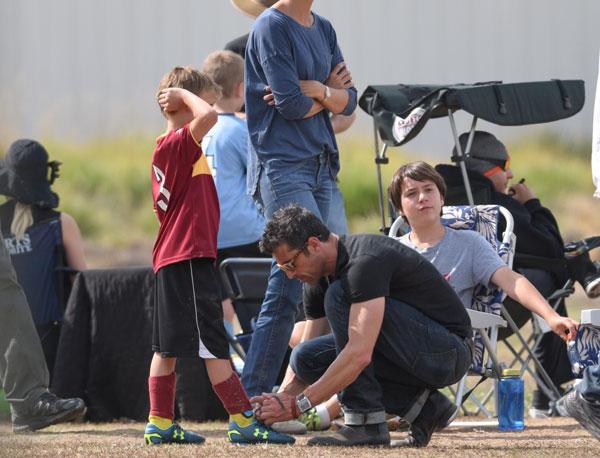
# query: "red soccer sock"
[232,395]
[162,396]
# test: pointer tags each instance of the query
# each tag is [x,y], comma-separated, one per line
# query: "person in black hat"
[38,238]
[537,234]
[23,371]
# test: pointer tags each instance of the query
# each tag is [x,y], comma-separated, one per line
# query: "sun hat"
[486,152]
[252,7]
[24,174]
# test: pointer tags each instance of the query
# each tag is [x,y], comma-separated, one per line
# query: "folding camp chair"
[245,280]
[486,308]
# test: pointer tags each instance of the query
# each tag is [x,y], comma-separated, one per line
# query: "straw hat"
[252,7]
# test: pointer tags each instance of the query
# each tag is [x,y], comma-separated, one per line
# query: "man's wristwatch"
[327,93]
[303,403]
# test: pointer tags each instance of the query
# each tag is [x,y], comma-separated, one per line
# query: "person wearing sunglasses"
[538,234]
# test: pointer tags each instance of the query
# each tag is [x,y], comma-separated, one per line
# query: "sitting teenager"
[464,258]
[537,234]
[41,241]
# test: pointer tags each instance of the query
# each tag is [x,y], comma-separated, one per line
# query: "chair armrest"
[482,320]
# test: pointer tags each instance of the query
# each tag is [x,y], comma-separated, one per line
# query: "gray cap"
[484,146]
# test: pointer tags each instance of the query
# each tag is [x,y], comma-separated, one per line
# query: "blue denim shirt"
[281,52]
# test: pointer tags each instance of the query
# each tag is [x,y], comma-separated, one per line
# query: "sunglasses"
[290,265]
[504,164]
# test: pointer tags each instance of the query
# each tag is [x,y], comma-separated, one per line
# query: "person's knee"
[301,361]
[305,363]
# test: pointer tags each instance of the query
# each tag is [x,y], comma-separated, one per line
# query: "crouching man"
[399,332]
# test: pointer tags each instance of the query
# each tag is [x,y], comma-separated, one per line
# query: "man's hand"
[313,89]
[340,77]
[564,327]
[171,99]
[275,407]
[521,192]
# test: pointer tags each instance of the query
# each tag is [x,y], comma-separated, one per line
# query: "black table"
[105,350]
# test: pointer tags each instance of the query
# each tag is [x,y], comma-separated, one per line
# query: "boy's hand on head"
[340,77]
[171,99]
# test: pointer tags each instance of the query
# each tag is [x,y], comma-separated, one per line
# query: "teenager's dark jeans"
[412,352]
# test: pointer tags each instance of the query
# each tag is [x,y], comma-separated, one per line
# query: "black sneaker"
[48,410]
[585,412]
[437,412]
[347,436]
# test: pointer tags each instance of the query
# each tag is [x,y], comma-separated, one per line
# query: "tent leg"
[459,151]
[380,159]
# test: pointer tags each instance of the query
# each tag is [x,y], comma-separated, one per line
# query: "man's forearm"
[316,108]
[337,101]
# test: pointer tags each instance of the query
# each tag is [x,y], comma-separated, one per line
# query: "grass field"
[556,437]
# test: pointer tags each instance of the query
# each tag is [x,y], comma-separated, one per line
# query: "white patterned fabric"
[483,219]
[585,350]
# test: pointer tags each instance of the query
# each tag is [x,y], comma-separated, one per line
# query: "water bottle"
[511,403]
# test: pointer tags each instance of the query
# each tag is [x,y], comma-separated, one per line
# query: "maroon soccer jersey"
[185,200]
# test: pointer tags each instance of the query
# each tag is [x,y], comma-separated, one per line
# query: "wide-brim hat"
[252,8]
[24,174]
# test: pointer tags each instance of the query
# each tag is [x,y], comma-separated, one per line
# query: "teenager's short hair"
[292,225]
[190,79]
[418,171]
[226,68]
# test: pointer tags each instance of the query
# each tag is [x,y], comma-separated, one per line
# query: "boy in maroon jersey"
[188,318]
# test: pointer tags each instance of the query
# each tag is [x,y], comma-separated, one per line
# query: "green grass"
[105,184]
[4,406]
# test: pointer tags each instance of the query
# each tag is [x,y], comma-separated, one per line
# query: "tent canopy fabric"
[400,111]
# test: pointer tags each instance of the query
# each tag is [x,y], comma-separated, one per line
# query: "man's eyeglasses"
[290,265]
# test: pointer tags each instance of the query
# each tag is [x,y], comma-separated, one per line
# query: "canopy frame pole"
[380,158]
[461,156]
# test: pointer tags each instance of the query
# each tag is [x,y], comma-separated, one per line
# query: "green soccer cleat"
[174,434]
[256,433]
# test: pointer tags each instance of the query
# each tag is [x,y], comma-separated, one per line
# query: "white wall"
[80,68]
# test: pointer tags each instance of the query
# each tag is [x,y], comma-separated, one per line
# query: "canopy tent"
[400,111]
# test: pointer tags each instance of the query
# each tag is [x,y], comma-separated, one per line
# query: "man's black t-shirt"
[371,266]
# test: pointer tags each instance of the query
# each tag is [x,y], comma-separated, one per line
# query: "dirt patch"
[553,437]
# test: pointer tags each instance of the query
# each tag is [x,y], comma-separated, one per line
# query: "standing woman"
[294,78]
[41,242]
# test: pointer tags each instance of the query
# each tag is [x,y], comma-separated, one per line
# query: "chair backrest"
[485,220]
[246,278]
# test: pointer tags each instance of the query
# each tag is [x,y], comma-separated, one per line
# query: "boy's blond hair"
[226,68]
[190,79]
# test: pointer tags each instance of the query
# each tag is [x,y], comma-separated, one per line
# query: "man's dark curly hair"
[292,225]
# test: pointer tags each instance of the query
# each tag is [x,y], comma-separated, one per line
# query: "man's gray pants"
[23,370]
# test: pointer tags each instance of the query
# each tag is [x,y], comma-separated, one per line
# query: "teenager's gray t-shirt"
[464,258]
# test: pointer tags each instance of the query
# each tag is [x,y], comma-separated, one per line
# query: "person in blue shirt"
[226,148]
[291,56]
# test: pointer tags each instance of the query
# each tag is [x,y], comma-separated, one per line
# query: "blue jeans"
[412,352]
[337,221]
[309,184]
